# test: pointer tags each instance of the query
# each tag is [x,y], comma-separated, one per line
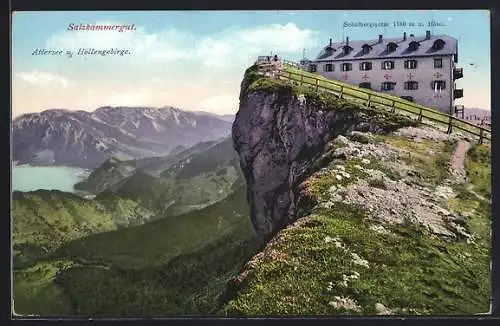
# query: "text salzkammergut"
[95,27]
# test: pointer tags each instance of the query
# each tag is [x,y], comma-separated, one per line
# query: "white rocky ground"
[407,200]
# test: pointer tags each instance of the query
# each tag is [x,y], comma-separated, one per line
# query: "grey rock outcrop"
[279,137]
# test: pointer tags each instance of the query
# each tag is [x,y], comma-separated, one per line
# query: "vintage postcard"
[251,163]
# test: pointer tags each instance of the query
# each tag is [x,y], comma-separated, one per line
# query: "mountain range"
[86,139]
[477,112]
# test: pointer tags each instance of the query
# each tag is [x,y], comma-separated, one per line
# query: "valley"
[167,267]
[159,218]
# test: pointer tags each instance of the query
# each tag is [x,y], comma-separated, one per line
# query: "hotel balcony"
[458,73]
[458,93]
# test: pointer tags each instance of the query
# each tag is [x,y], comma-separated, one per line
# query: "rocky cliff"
[360,212]
[280,133]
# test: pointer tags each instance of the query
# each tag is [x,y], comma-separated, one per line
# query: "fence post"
[420,115]
[317,84]
[450,125]
[393,110]
[369,98]
[481,136]
[301,79]
[341,91]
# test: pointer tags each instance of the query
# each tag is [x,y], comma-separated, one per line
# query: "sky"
[195,60]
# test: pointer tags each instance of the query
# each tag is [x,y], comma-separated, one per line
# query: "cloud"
[43,79]
[231,47]
[167,67]
[241,46]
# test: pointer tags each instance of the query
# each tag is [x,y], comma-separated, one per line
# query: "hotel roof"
[428,45]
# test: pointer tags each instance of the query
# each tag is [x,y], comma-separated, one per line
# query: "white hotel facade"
[418,68]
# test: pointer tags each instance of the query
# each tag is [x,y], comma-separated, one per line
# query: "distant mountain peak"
[87,139]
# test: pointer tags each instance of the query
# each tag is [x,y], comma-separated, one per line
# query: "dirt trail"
[458,171]
[458,161]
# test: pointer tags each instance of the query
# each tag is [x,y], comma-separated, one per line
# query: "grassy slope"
[108,175]
[402,106]
[46,220]
[169,266]
[479,169]
[157,242]
[410,271]
[34,290]
[381,117]
[191,179]
[188,284]
[174,196]
[43,220]
[113,172]
[431,168]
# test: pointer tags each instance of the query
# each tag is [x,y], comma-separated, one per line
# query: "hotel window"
[410,64]
[312,68]
[438,63]
[438,85]
[413,46]
[438,44]
[388,86]
[365,85]
[387,65]
[366,49]
[365,66]
[411,85]
[346,66]
[329,67]
[391,47]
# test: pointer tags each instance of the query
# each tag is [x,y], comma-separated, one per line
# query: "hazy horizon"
[162,107]
[125,107]
[195,60]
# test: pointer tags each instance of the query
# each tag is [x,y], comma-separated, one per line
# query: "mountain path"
[459,174]
[458,161]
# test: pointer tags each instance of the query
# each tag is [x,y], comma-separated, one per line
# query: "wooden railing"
[370,99]
[291,63]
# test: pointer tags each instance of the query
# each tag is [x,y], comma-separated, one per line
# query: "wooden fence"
[371,99]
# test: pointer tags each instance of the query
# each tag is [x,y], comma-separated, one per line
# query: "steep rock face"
[278,137]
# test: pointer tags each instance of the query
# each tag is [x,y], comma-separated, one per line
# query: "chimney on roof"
[380,38]
[404,36]
[427,35]
[347,40]
[330,42]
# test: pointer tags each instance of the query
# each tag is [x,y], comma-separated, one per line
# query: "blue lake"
[31,178]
